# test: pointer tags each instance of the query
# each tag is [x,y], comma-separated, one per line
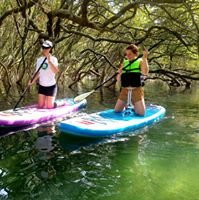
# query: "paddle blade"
[83,96]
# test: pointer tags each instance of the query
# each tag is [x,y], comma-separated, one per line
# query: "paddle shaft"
[21,97]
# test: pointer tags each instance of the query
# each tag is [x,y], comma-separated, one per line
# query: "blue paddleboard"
[108,123]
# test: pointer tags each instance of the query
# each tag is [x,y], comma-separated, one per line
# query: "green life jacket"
[131,66]
[131,74]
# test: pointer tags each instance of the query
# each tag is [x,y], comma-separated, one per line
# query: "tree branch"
[84,10]
[120,13]
[176,34]
[95,39]
[17,10]
[62,13]
[100,54]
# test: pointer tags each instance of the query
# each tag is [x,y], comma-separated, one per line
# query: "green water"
[159,163]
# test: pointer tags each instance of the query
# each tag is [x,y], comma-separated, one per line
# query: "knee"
[41,105]
[49,106]
[118,111]
[140,112]
[119,106]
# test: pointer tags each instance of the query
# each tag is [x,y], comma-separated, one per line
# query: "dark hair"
[133,48]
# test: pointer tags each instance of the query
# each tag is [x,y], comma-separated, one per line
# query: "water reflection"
[28,162]
[5,131]
[44,140]
[72,144]
[44,147]
[92,167]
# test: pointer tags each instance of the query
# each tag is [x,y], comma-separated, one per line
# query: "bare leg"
[119,105]
[41,101]
[50,102]
[46,103]
[139,107]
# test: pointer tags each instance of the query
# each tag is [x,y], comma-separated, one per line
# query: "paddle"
[21,97]
[85,95]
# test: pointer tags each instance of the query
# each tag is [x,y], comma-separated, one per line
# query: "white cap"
[47,44]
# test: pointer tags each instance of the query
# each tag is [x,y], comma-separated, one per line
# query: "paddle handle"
[21,97]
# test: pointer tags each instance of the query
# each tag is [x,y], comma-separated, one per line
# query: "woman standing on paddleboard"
[130,75]
[46,76]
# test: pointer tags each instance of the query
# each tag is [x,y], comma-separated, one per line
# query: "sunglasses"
[45,47]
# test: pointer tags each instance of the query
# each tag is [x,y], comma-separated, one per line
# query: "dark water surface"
[159,163]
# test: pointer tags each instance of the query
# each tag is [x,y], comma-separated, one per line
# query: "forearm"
[145,66]
[119,73]
[31,82]
[53,67]
[35,79]
[118,77]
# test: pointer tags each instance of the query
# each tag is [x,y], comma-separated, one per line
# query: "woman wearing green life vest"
[130,75]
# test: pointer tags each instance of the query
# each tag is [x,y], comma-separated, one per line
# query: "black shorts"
[48,91]
[132,79]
